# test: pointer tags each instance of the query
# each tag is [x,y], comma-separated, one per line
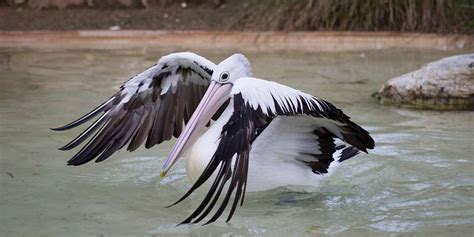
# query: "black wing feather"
[85,118]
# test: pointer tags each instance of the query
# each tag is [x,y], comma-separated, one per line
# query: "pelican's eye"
[224,76]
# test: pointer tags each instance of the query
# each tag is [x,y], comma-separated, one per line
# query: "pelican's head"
[231,69]
[219,91]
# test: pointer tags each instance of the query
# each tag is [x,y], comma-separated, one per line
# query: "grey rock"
[446,84]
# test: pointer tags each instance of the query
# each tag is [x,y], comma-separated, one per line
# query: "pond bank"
[300,41]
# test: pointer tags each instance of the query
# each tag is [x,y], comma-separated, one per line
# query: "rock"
[446,84]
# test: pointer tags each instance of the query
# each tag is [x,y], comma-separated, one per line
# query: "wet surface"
[419,179]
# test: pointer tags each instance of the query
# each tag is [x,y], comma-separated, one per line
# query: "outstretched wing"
[256,103]
[151,105]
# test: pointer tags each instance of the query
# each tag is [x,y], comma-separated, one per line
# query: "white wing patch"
[264,94]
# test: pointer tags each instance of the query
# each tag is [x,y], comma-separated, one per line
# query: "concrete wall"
[303,41]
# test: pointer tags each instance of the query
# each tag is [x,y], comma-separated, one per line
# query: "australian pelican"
[241,133]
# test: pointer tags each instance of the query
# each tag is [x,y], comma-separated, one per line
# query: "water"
[419,179]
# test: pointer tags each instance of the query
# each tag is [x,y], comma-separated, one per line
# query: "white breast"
[205,147]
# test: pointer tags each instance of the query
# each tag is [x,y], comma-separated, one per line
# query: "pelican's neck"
[205,147]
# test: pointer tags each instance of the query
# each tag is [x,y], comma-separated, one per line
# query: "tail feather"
[347,153]
[341,154]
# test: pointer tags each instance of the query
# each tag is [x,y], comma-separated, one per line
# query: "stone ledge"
[299,41]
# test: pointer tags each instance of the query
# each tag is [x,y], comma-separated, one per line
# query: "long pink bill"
[214,97]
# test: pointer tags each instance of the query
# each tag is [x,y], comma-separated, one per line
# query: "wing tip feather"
[63,148]
[57,129]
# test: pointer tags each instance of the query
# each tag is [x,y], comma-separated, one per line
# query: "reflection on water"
[419,179]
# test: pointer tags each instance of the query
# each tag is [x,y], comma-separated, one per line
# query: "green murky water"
[419,179]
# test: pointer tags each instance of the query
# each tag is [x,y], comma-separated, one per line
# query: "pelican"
[240,133]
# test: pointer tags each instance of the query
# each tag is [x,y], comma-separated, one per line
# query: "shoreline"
[300,41]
